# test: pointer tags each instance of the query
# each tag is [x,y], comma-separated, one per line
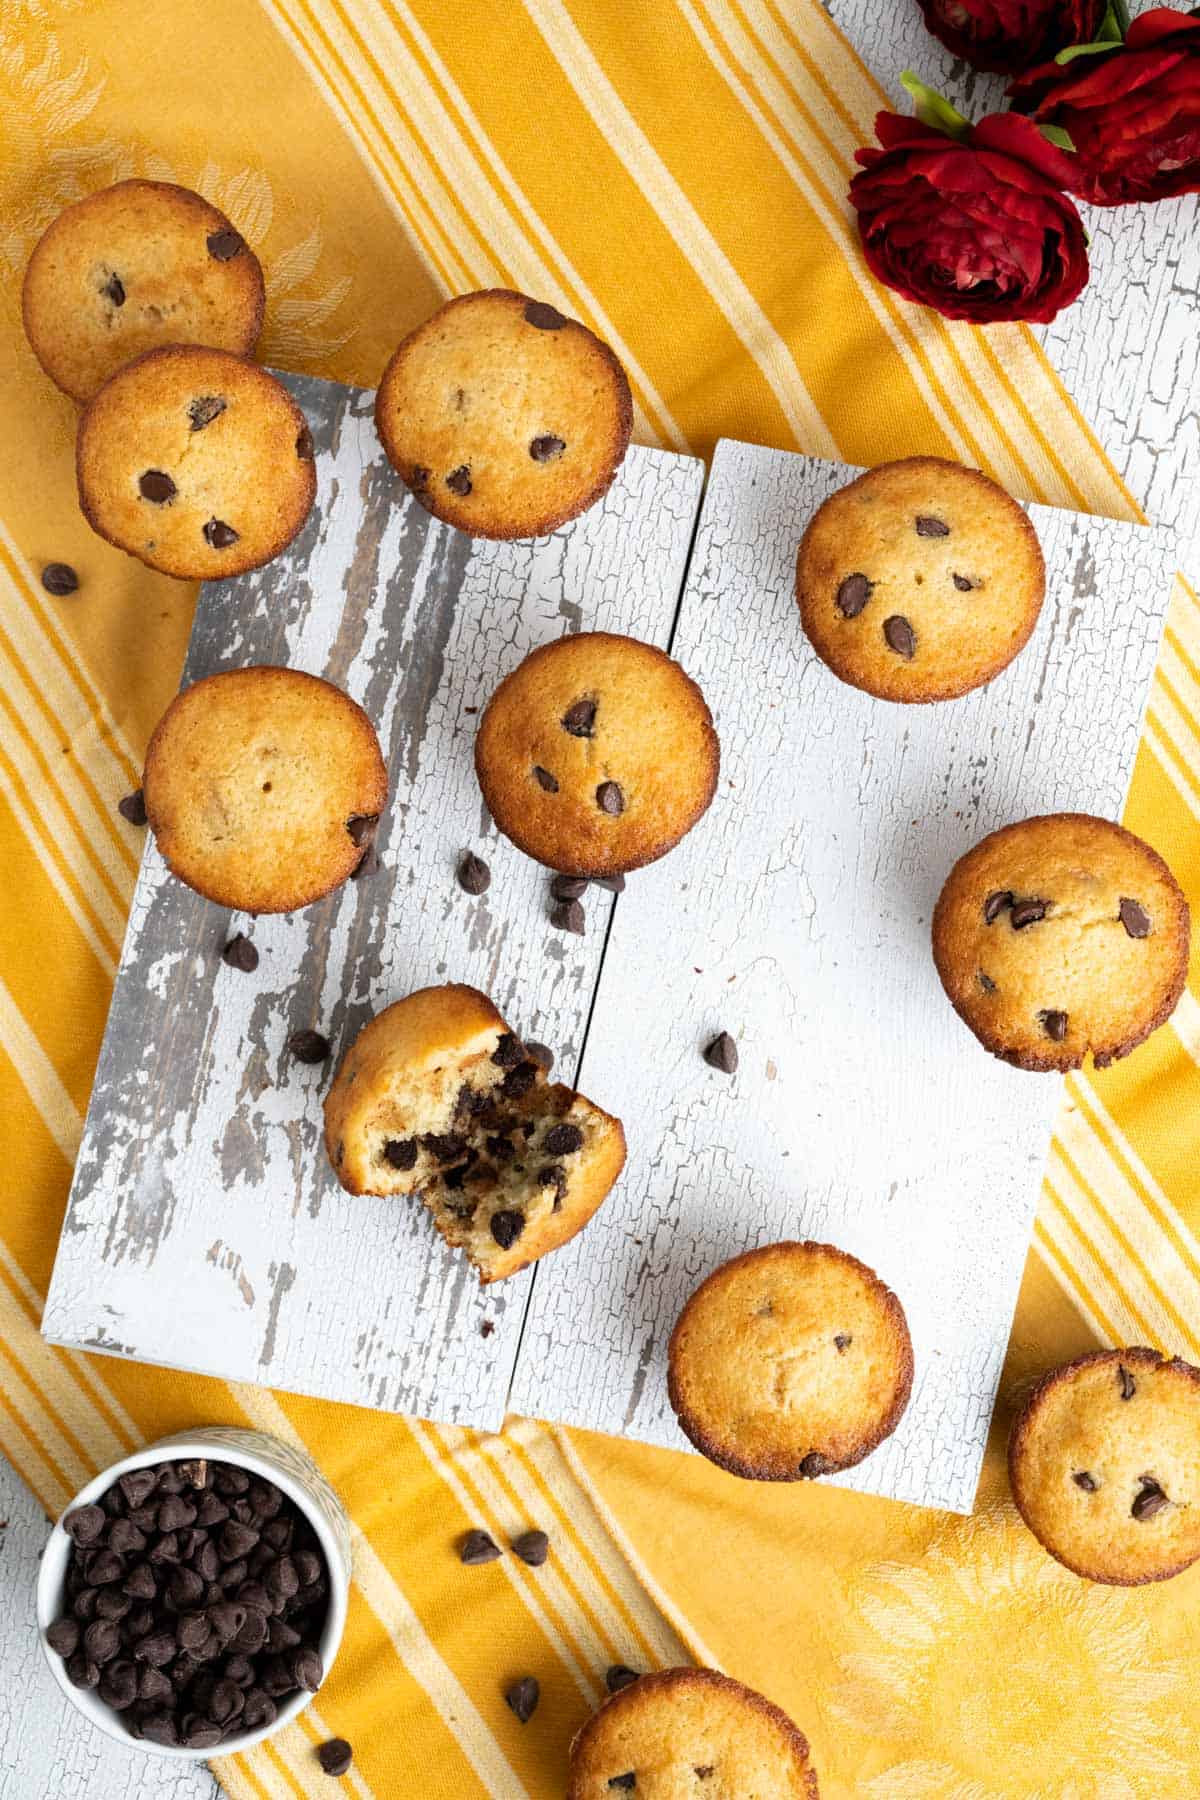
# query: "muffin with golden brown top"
[1104,1462]
[789,1362]
[690,1734]
[597,754]
[1061,937]
[130,269]
[504,418]
[920,580]
[195,462]
[436,1096]
[263,787]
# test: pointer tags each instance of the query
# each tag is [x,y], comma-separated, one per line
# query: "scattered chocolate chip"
[240,953]
[1135,918]
[722,1054]
[568,887]
[459,481]
[568,915]
[542,1055]
[842,1341]
[900,637]
[620,1676]
[523,1697]
[533,1547]
[133,808]
[931,528]
[626,1783]
[85,1524]
[852,595]
[986,983]
[562,1139]
[474,876]
[114,290]
[615,884]
[401,1153]
[224,245]
[335,1756]
[963,585]
[59,579]
[476,1548]
[995,904]
[1054,1024]
[610,799]
[218,535]
[545,779]
[1149,1500]
[546,449]
[1028,912]
[815,1464]
[544,317]
[506,1227]
[486,1327]
[308,1046]
[1083,1480]
[304,444]
[1126,1385]
[204,409]
[155,485]
[580,718]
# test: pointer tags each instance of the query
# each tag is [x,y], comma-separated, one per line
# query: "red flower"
[976,226]
[1132,111]
[1011,34]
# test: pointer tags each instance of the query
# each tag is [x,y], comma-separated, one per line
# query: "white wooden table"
[1129,354]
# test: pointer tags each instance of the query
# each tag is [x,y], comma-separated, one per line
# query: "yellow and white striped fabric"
[674,174]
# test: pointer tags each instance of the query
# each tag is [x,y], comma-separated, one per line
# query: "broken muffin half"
[437,1097]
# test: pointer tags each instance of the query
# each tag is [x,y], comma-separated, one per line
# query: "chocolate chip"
[224,245]
[523,1697]
[153,1685]
[211,1511]
[506,1227]
[85,1524]
[200,1734]
[474,876]
[63,1635]
[486,1327]
[218,535]
[703,1771]
[1149,1500]
[228,1480]
[101,1641]
[995,904]
[103,1566]
[562,1139]
[899,636]
[240,953]
[542,1055]
[568,915]
[1135,918]
[842,1341]
[580,718]
[444,1147]
[1126,1385]
[459,481]
[626,1783]
[477,1548]
[986,983]
[545,779]
[610,799]
[546,449]
[1054,1024]
[84,1604]
[235,1540]
[509,1051]
[114,290]
[931,528]
[615,884]
[59,579]
[335,1756]
[544,317]
[722,1054]
[119,1685]
[226,1619]
[308,1046]
[401,1153]
[304,444]
[156,1648]
[533,1547]
[308,1671]
[962,584]
[155,485]
[133,808]
[80,1672]
[124,1536]
[815,1464]
[568,887]
[1028,912]
[852,595]
[1083,1480]
[258,1711]
[140,1583]
[204,409]
[620,1676]
[555,1176]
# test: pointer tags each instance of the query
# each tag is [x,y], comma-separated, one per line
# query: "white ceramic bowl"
[302,1482]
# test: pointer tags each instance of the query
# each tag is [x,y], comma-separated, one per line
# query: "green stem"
[1120,11]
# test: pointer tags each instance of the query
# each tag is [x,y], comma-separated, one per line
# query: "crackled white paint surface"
[796,916]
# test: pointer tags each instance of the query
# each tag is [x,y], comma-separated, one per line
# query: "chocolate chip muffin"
[437,1097]
[919,581]
[1060,937]
[597,754]
[690,1734]
[1104,1461]
[130,269]
[503,417]
[790,1362]
[263,788]
[195,462]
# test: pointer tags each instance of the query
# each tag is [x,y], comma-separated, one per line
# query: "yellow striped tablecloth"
[674,174]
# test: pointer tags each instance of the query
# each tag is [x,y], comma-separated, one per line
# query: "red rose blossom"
[1011,34]
[1132,112]
[976,226]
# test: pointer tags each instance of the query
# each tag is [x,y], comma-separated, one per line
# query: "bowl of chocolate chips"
[192,1598]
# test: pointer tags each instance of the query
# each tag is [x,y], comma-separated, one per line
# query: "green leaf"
[1054,134]
[1118,12]
[1113,27]
[932,110]
[1068,56]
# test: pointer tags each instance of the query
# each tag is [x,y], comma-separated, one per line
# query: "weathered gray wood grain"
[204,1228]
[796,916]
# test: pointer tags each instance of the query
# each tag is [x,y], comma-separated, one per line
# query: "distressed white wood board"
[205,1229]
[796,916]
